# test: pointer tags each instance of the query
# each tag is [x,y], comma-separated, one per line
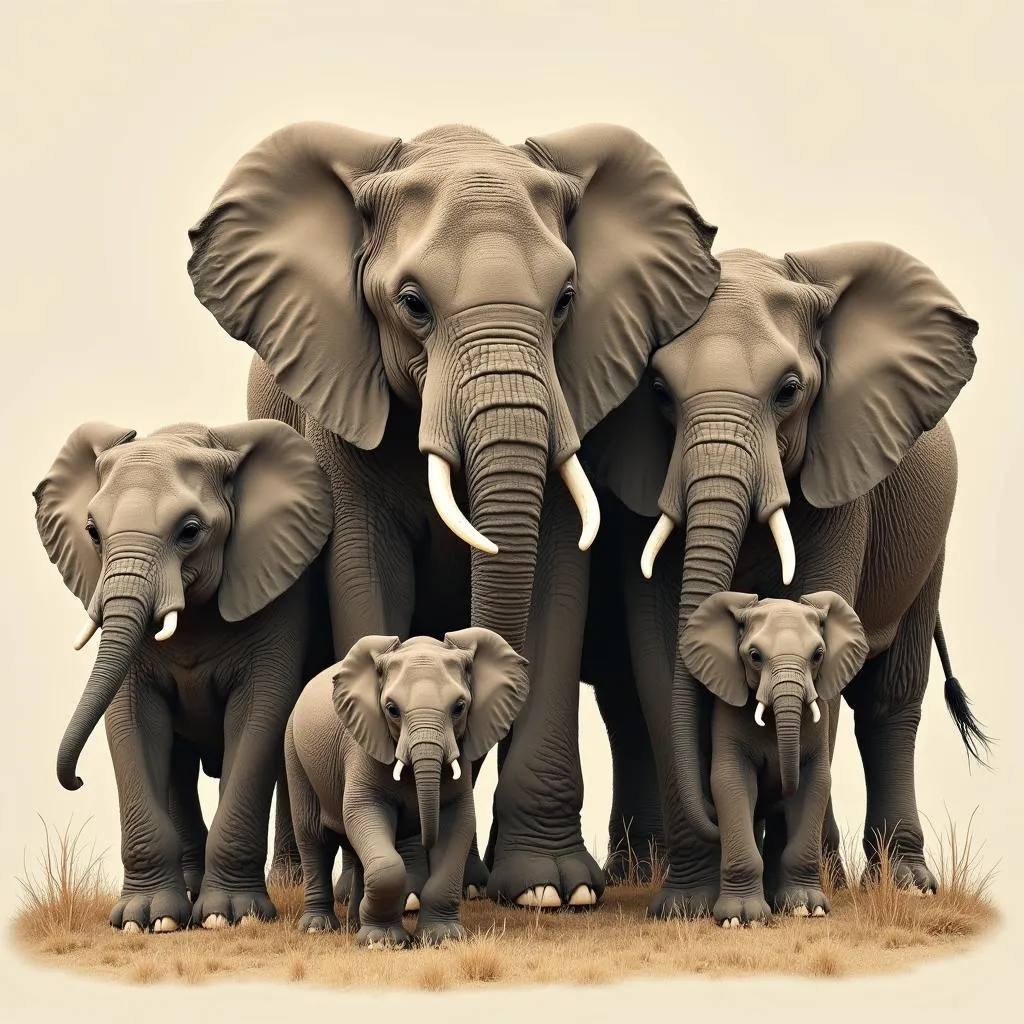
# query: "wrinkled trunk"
[428,741]
[426,767]
[787,710]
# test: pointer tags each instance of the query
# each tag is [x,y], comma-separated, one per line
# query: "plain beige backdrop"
[793,124]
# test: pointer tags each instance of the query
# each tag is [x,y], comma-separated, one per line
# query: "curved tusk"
[439,479]
[784,542]
[586,500]
[169,626]
[87,633]
[398,769]
[759,714]
[661,533]
[456,769]
[815,712]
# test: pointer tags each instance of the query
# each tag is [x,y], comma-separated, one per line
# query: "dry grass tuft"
[874,926]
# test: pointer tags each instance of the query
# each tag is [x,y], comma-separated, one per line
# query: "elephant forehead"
[164,480]
[784,627]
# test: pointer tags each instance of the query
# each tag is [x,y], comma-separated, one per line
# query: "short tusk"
[586,500]
[398,769]
[815,712]
[456,770]
[759,714]
[170,625]
[439,479]
[88,630]
[784,542]
[661,533]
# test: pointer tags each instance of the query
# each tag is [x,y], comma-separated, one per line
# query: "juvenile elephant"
[794,658]
[807,402]
[432,705]
[445,318]
[203,536]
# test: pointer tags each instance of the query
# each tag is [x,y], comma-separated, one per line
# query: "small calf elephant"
[434,705]
[795,657]
[202,536]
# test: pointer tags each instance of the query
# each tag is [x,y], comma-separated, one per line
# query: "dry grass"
[874,928]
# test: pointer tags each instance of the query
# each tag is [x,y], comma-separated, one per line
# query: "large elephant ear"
[897,350]
[499,685]
[283,514]
[276,259]
[645,271]
[846,646]
[62,501]
[357,684]
[710,645]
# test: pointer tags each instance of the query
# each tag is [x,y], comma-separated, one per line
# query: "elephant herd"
[512,425]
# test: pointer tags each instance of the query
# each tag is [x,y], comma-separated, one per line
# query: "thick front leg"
[442,893]
[140,738]
[539,855]
[187,813]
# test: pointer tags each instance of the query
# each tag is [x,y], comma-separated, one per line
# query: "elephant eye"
[818,655]
[755,655]
[458,707]
[788,390]
[564,301]
[94,534]
[415,305]
[392,709]
[190,531]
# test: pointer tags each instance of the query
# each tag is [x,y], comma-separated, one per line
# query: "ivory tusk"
[439,479]
[661,533]
[586,500]
[456,770]
[759,714]
[88,630]
[784,542]
[169,626]
[815,712]
[398,769]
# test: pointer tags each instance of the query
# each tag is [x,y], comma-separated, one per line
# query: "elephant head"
[511,294]
[428,703]
[817,371]
[143,528]
[790,654]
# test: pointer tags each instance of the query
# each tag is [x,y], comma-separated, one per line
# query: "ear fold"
[283,514]
[710,645]
[62,500]
[846,646]
[897,350]
[499,684]
[357,696]
[276,260]
[643,256]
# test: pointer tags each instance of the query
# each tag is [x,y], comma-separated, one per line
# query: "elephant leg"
[886,698]
[140,737]
[442,892]
[187,814]
[539,855]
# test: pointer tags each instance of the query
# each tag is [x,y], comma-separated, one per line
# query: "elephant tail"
[959,704]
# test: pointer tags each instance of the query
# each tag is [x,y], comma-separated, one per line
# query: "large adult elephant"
[807,402]
[445,318]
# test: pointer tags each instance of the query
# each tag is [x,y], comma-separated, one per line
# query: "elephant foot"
[218,908]
[474,877]
[285,872]
[313,921]
[165,910]
[680,900]
[633,863]
[801,901]
[392,936]
[911,874]
[436,932]
[735,911]
[534,880]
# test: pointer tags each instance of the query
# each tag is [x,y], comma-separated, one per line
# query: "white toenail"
[131,927]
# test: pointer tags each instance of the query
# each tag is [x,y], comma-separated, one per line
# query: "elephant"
[794,657]
[807,402]
[444,318]
[434,705]
[209,536]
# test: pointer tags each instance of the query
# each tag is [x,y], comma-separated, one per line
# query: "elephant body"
[210,535]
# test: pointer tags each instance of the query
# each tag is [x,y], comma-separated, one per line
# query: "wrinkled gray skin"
[454,301]
[192,550]
[792,659]
[815,384]
[378,749]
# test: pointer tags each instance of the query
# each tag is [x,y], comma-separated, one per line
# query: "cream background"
[793,124]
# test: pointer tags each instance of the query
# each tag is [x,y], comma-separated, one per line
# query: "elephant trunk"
[787,710]
[428,739]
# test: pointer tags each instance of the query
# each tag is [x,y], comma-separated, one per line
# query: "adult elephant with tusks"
[445,318]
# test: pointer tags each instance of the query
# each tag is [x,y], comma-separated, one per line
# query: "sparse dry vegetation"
[872,928]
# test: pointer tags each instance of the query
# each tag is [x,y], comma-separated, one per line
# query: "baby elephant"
[189,548]
[795,657]
[436,706]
